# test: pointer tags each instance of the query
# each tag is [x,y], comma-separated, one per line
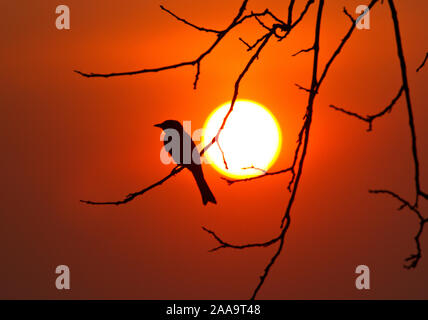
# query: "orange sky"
[65,137]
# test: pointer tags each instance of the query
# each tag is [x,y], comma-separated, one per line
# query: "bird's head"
[169,124]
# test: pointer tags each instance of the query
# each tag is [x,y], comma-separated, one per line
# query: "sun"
[251,139]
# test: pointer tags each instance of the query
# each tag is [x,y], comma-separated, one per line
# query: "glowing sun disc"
[251,138]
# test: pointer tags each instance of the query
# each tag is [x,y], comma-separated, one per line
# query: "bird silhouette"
[177,140]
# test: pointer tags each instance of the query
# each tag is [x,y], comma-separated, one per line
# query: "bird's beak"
[157,125]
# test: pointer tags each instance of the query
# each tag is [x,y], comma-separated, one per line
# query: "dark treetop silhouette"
[279,30]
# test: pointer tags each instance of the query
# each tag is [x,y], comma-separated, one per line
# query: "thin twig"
[407,95]
[423,63]
[341,45]
[132,196]
[370,118]
[303,50]
[302,88]
[251,47]
[413,259]
[188,23]
[348,15]
[224,244]
[264,174]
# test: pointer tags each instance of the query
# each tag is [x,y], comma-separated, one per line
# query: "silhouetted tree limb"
[303,50]
[251,47]
[344,40]
[270,173]
[302,88]
[423,63]
[370,118]
[414,258]
[239,18]
[132,196]
[196,62]
[189,23]
[224,244]
[330,61]
[265,173]
[348,15]
[236,92]
[302,14]
[404,202]
[407,95]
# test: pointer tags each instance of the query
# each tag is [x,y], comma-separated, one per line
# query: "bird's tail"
[207,195]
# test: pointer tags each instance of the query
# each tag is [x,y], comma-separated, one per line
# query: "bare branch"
[132,196]
[224,244]
[222,153]
[303,13]
[353,114]
[131,73]
[255,168]
[423,63]
[404,202]
[308,116]
[198,73]
[265,174]
[236,90]
[370,118]
[290,12]
[302,88]
[270,264]
[262,24]
[341,45]
[188,23]
[251,47]
[348,15]
[303,50]
[407,95]
[423,194]
[196,62]
[413,259]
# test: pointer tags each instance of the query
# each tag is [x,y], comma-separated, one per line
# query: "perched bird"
[187,156]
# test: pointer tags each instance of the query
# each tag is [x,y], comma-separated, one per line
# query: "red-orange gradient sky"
[65,137]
